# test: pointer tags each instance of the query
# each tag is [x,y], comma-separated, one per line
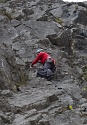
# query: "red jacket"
[42,56]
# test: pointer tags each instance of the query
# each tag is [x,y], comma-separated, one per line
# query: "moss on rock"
[84,75]
[2,1]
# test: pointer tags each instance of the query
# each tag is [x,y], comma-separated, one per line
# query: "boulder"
[82,17]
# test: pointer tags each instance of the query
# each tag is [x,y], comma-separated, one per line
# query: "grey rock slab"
[41,29]
[57,12]
[19,61]
[24,120]
[68,118]
[38,13]
[70,14]
[2,18]
[82,17]
[83,100]
[6,93]
[32,3]
[15,23]
[36,98]
[42,101]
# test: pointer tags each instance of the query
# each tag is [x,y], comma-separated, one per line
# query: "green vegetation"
[2,1]
[22,79]
[58,20]
[76,7]
[8,15]
[84,75]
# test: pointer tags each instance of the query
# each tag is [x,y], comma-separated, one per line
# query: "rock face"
[60,29]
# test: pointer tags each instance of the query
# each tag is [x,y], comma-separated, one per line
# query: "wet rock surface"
[60,29]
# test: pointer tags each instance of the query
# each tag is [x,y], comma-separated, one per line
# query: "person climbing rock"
[48,64]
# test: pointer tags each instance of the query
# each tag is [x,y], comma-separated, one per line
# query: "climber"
[48,64]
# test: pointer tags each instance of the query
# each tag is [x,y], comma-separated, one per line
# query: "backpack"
[53,67]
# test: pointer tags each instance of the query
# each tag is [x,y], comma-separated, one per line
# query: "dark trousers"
[47,70]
